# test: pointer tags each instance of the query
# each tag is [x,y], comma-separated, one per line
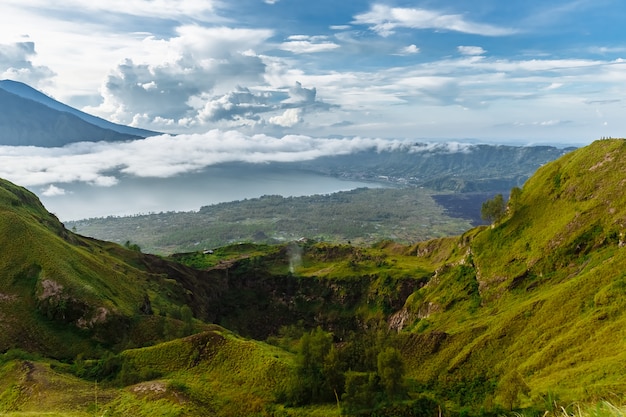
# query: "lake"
[189,192]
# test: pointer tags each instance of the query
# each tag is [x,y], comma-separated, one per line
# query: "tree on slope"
[493,210]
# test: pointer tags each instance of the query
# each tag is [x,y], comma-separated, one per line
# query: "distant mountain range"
[31,118]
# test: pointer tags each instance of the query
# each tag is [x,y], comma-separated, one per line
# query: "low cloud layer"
[102,163]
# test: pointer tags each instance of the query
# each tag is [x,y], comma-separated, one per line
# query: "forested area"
[361,216]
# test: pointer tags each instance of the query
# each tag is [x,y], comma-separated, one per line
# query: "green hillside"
[539,297]
[525,316]
[62,294]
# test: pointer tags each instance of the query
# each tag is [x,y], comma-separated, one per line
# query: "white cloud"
[308,47]
[542,123]
[52,191]
[164,156]
[471,50]
[240,103]
[304,44]
[289,118]
[384,20]
[554,86]
[243,107]
[442,147]
[155,8]
[299,94]
[410,50]
[195,63]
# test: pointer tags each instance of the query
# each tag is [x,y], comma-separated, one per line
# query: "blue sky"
[531,71]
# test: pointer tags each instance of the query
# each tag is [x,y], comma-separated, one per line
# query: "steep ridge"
[533,305]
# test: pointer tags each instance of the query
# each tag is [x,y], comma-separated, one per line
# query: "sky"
[260,81]
[521,71]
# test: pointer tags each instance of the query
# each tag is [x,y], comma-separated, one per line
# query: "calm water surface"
[188,192]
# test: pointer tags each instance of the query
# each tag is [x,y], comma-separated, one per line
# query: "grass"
[541,293]
[32,386]
[600,409]
[64,295]
[199,375]
[508,317]
[204,374]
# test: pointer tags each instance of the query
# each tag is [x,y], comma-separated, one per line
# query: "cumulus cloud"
[182,69]
[237,104]
[384,20]
[204,78]
[299,94]
[52,191]
[245,107]
[410,50]
[289,118]
[101,163]
[16,63]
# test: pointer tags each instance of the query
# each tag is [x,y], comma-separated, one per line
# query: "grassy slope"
[212,373]
[199,375]
[539,297]
[61,294]
[533,306]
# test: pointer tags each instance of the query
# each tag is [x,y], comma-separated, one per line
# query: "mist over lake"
[189,192]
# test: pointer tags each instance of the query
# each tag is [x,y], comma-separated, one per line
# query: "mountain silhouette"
[31,118]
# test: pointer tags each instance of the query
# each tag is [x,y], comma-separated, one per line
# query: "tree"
[362,390]
[318,370]
[132,246]
[511,386]
[493,210]
[391,373]
[334,379]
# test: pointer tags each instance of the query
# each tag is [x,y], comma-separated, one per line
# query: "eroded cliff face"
[248,295]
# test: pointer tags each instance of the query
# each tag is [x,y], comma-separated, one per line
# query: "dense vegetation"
[362,217]
[524,316]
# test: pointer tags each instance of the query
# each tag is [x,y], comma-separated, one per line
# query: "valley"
[274,208]
[416,192]
[522,317]
[362,216]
